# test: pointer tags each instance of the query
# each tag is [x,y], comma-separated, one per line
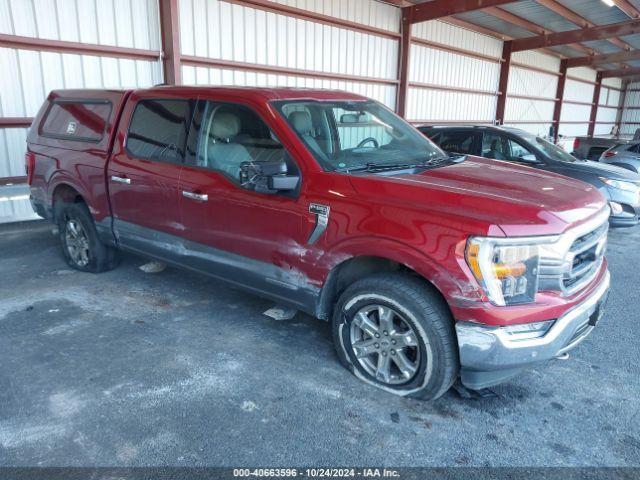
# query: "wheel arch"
[65,193]
[357,266]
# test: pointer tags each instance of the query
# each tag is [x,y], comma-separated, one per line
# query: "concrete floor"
[131,369]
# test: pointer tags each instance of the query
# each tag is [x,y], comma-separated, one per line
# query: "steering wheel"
[369,140]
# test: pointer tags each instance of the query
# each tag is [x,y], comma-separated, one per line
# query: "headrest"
[225,125]
[301,122]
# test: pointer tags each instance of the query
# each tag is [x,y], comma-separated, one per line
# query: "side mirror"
[528,158]
[268,177]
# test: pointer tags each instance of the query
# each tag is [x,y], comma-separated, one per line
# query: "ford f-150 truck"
[430,267]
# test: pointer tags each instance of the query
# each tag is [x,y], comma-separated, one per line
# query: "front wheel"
[81,245]
[396,333]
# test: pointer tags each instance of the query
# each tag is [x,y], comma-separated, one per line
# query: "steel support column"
[170,34]
[403,61]
[594,105]
[504,82]
[557,110]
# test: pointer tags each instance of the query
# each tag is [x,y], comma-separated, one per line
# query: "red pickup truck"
[429,267]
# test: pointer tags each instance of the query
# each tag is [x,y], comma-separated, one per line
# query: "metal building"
[535,64]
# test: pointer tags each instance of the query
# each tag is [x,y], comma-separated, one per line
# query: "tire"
[434,357]
[99,257]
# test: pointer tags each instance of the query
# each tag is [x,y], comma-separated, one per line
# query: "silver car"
[625,155]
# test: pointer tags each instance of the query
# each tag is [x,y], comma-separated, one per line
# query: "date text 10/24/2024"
[316,472]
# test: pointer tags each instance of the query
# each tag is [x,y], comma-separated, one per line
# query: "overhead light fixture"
[611,3]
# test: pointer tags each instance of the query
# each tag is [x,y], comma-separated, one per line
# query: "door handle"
[199,197]
[120,180]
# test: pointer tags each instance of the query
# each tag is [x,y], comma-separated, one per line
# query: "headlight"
[507,270]
[627,186]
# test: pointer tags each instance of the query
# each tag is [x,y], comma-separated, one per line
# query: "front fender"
[442,270]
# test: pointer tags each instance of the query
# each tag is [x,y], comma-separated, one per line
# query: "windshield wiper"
[440,159]
[375,167]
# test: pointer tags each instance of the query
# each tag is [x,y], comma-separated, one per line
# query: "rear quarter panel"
[80,165]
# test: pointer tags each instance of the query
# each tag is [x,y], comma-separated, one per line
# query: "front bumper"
[488,356]
[630,202]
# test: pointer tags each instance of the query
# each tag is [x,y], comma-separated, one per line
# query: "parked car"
[624,155]
[619,186]
[429,267]
[591,148]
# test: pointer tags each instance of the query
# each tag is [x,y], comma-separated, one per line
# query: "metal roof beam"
[444,8]
[581,35]
[529,26]
[578,20]
[591,61]
[627,7]
[625,72]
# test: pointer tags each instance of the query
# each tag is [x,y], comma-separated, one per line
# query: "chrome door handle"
[200,197]
[120,180]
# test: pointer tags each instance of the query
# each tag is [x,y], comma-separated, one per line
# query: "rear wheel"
[395,332]
[81,245]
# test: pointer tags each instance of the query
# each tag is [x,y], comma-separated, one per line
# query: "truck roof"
[268,93]
[257,93]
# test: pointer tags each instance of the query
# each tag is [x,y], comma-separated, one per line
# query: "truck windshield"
[345,136]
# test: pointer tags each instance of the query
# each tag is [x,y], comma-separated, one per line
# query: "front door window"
[232,135]
[493,146]
[517,153]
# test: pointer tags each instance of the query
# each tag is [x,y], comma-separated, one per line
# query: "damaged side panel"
[263,279]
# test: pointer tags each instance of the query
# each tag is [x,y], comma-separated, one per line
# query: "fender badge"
[322,220]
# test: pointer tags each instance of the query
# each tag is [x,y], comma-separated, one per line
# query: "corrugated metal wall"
[28,76]
[631,113]
[366,12]
[532,115]
[219,30]
[608,110]
[578,96]
[433,70]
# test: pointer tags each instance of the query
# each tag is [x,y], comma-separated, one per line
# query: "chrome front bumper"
[489,356]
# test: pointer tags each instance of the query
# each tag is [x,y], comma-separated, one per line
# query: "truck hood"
[485,194]
[589,171]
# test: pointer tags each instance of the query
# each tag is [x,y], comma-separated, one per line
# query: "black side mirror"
[268,177]
[528,158]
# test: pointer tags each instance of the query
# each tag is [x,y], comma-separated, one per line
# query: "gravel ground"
[134,369]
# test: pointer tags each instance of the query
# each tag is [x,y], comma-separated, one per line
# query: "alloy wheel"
[77,242]
[385,344]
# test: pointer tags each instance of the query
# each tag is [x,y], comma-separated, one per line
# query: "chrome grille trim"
[561,267]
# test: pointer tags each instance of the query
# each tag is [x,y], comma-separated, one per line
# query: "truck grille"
[572,270]
[588,253]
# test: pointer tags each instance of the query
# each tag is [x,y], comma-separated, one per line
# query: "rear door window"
[458,142]
[158,129]
[77,120]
